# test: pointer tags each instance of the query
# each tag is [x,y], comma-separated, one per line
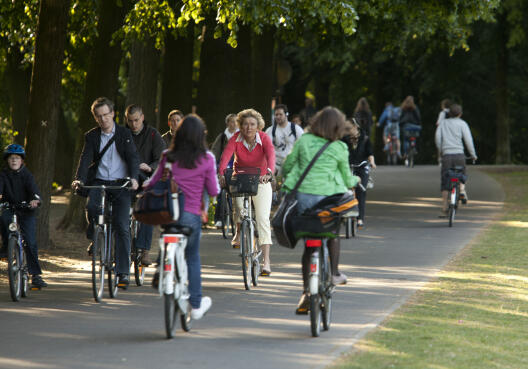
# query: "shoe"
[339,279]
[202,310]
[38,282]
[155,280]
[145,259]
[304,304]
[218,224]
[89,249]
[235,244]
[360,224]
[123,281]
[443,214]
[463,197]
[406,162]
[265,272]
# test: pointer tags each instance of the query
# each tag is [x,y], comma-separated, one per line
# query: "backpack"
[293,131]
[394,114]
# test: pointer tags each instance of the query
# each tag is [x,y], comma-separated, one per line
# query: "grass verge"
[475,314]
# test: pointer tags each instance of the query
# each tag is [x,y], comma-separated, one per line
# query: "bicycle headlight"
[13,227]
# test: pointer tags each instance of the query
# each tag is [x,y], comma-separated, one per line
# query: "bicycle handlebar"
[21,206]
[126,185]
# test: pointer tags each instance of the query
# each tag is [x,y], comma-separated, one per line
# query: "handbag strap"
[105,148]
[310,165]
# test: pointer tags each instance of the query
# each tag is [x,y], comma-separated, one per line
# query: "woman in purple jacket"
[194,170]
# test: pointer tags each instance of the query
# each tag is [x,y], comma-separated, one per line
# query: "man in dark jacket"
[150,145]
[119,160]
[174,120]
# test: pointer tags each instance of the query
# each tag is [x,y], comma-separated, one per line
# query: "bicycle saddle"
[177,229]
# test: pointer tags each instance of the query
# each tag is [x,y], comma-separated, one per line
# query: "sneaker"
[123,281]
[145,260]
[38,282]
[304,304]
[339,279]
[406,162]
[218,224]
[463,197]
[360,224]
[202,310]
[155,280]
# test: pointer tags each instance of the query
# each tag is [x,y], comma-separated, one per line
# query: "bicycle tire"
[25,276]
[411,157]
[348,227]
[326,305]
[139,270]
[451,215]
[255,272]
[225,215]
[171,311]
[14,269]
[245,241]
[185,318]
[315,315]
[98,266]
[112,268]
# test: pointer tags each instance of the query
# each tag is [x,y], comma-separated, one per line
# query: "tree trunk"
[143,79]
[177,81]
[503,154]
[65,148]
[101,80]
[18,78]
[44,103]
[262,72]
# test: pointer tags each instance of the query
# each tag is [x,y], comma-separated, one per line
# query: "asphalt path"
[402,246]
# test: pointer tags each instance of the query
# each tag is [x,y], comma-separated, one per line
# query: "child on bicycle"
[17,185]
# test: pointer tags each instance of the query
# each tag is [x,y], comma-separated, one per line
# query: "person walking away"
[363,115]
[329,175]
[390,122]
[174,121]
[218,147]
[149,145]
[119,161]
[450,137]
[283,135]
[360,150]
[194,170]
[18,185]
[409,120]
[252,148]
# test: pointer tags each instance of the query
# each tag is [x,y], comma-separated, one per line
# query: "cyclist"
[149,145]
[390,122]
[360,150]
[17,185]
[252,148]
[363,115]
[119,161]
[218,147]
[283,134]
[194,170]
[329,175]
[174,121]
[451,135]
[410,120]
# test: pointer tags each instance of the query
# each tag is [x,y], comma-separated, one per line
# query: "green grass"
[475,314]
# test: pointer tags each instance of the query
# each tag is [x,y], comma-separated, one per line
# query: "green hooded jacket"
[330,173]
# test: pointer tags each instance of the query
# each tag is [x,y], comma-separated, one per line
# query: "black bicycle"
[136,254]
[226,207]
[17,268]
[103,247]
[411,135]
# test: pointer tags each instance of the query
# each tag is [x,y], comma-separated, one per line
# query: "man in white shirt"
[283,134]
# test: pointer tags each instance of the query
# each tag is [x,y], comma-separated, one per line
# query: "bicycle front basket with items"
[244,181]
[324,218]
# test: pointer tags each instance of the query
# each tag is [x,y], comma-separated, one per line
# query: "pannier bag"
[160,204]
[244,181]
[456,173]
[324,218]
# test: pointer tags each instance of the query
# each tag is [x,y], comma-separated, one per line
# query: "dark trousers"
[360,194]
[144,236]
[28,225]
[120,221]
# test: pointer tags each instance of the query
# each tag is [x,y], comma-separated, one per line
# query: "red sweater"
[262,155]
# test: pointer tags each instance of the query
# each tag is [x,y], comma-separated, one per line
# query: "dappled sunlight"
[63,200]
[513,223]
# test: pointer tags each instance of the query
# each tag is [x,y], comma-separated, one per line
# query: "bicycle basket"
[244,181]
[228,173]
[408,133]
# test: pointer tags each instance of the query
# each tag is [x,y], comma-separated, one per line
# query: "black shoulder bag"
[282,220]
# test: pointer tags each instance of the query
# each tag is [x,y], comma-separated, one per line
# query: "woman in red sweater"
[253,148]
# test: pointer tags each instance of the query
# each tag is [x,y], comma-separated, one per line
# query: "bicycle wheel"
[25,275]
[315,315]
[255,271]
[451,215]
[112,268]
[98,266]
[171,312]
[230,216]
[411,157]
[245,250]
[225,214]
[354,227]
[326,303]
[185,318]
[348,227]
[14,268]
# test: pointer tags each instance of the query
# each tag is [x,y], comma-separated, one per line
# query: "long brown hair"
[188,144]
[328,123]
[362,105]
[408,103]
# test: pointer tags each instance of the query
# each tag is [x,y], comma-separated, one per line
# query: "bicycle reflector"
[13,227]
[171,239]
[314,243]
[454,179]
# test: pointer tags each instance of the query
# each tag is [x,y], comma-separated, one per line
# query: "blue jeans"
[307,200]
[192,255]
[393,129]
[121,214]
[144,236]
[28,225]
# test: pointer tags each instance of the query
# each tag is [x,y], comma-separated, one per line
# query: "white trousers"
[262,204]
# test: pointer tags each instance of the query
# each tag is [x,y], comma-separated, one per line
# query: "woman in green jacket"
[329,175]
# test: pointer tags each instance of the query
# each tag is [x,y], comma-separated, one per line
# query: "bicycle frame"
[173,277]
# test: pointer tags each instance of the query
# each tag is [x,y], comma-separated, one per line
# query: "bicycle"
[136,254]
[411,135]
[227,208]
[17,268]
[245,184]
[391,149]
[173,279]
[103,247]
[455,176]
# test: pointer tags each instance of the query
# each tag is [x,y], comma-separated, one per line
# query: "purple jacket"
[192,182]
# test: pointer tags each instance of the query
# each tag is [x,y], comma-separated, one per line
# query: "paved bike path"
[403,246]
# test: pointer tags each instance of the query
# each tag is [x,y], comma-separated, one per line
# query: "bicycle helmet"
[14,149]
